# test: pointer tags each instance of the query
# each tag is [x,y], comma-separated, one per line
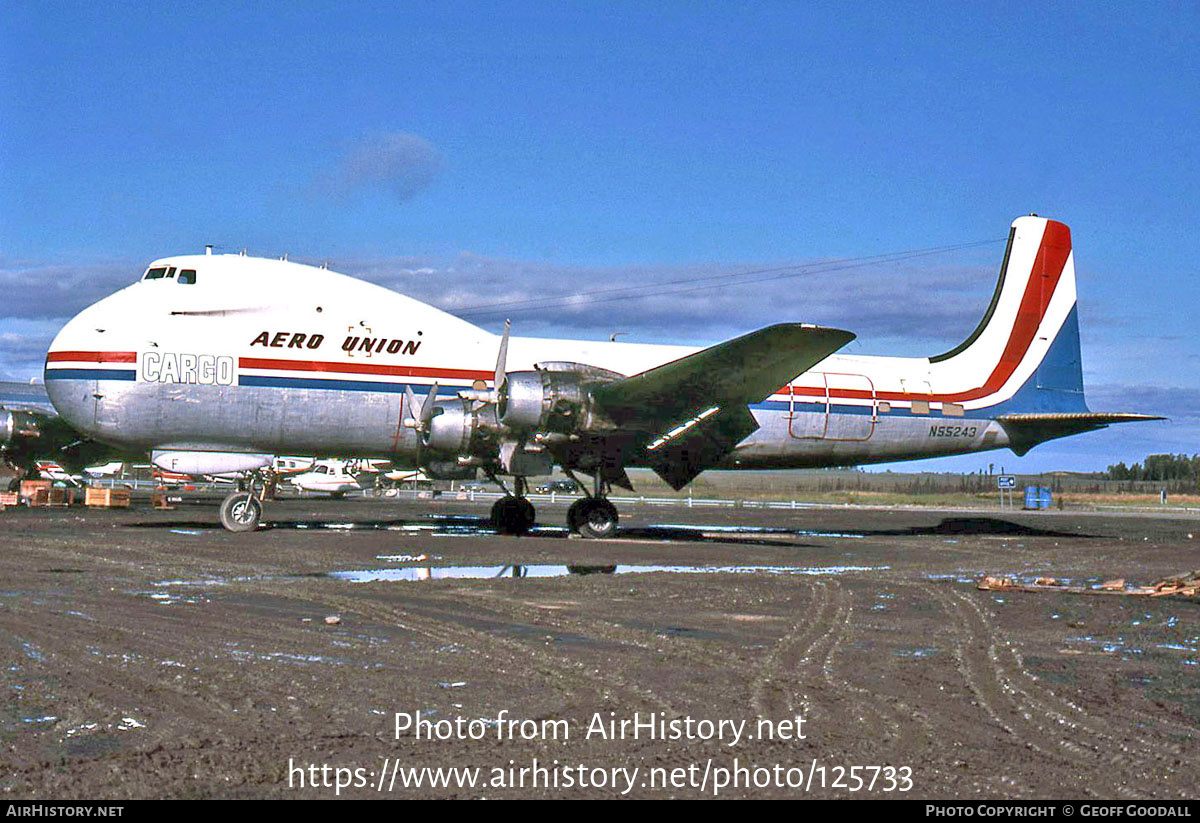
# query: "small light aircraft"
[50,470]
[335,477]
[110,469]
[288,465]
[217,363]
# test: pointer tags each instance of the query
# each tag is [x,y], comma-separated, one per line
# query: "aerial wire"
[694,284]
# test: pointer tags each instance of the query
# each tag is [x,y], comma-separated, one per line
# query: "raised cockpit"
[186,277]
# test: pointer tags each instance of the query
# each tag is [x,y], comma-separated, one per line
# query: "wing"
[30,397]
[693,411]
[738,372]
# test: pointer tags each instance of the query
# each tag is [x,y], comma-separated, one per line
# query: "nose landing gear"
[242,510]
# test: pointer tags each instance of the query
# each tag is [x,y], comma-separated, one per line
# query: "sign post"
[1006,483]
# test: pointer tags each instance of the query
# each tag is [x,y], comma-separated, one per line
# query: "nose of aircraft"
[86,370]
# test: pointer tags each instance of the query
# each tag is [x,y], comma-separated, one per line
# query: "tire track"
[1023,708]
[1152,758]
[771,694]
[520,656]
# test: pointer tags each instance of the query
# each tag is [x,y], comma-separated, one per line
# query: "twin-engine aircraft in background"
[218,363]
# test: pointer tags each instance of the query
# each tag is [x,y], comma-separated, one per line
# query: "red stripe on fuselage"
[361,368]
[92,356]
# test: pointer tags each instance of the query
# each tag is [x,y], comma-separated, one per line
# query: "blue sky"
[468,153]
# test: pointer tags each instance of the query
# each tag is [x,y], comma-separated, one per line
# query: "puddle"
[960,577]
[465,526]
[544,570]
[169,599]
[918,653]
[1123,647]
[752,530]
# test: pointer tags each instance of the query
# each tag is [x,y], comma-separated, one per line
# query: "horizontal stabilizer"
[1028,430]
[738,372]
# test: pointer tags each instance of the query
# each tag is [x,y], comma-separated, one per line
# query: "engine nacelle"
[17,424]
[490,428]
[555,398]
[459,428]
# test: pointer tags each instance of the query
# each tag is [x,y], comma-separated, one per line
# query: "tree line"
[1176,469]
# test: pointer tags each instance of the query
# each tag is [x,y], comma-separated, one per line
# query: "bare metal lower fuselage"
[143,416]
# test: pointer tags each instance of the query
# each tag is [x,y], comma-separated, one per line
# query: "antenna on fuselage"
[208,247]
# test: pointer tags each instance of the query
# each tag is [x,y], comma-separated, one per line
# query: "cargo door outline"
[824,427]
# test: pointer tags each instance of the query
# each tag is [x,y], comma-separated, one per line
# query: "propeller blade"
[428,405]
[501,360]
[410,406]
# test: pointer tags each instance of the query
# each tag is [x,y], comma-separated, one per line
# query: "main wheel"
[241,512]
[593,517]
[512,515]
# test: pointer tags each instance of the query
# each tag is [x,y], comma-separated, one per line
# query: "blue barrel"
[1038,497]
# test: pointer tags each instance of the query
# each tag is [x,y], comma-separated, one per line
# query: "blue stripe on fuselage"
[91,374]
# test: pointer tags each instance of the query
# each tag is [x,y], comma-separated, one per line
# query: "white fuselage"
[245,354]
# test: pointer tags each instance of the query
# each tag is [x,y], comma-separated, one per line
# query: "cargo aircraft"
[217,363]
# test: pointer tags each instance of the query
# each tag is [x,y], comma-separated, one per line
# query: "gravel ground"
[151,654]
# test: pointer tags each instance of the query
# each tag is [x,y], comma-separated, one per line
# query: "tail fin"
[1024,355]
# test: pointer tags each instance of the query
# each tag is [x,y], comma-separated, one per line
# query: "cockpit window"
[187,277]
[170,272]
[156,273]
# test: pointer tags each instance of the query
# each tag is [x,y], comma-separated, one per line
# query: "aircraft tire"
[512,515]
[593,517]
[241,512]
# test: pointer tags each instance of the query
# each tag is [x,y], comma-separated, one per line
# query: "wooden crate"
[35,492]
[10,499]
[108,498]
[62,497]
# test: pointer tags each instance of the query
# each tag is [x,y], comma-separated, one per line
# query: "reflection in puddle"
[417,573]
[448,525]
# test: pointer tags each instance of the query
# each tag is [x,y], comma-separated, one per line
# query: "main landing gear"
[513,513]
[591,516]
[242,510]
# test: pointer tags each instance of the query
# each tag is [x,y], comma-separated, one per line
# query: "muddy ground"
[150,654]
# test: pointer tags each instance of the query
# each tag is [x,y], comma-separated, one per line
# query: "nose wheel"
[241,512]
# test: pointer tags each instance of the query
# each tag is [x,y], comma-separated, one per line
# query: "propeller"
[492,395]
[420,420]
[501,360]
